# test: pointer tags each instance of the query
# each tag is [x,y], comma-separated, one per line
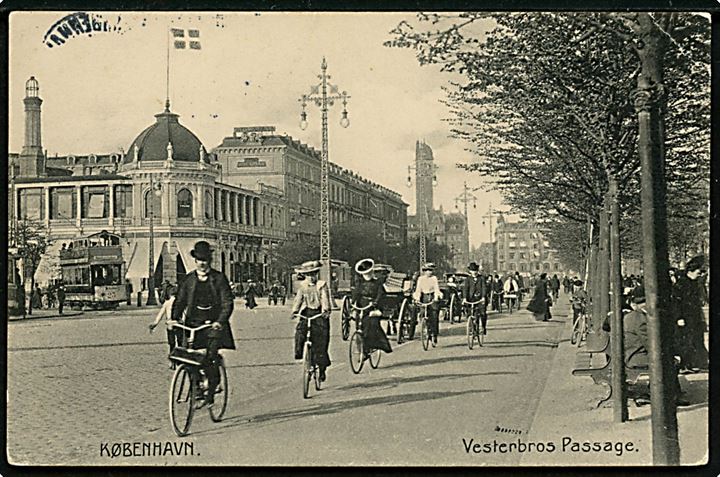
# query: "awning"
[137,268]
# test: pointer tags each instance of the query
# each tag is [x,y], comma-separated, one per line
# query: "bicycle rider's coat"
[365,292]
[222,304]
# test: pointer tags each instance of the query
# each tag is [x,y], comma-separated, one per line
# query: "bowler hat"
[365,266]
[473,267]
[695,263]
[202,251]
[309,267]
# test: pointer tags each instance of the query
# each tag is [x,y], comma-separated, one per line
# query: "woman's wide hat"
[202,251]
[428,266]
[365,266]
[309,267]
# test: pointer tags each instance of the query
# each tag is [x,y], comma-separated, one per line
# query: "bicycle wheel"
[217,410]
[575,335]
[182,400]
[356,352]
[470,332]
[307,369]
[345,316]
[451,309]
[375,358]
[424,335]
[402,320]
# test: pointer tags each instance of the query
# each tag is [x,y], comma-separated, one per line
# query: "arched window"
[153,202]
[209,205]
[184,204]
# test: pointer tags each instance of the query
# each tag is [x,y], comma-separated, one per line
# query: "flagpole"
[167,72]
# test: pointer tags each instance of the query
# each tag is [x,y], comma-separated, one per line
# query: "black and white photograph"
[399,238]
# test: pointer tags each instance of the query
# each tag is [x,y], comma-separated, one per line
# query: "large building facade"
[166,189]
[256,153]
[521,247]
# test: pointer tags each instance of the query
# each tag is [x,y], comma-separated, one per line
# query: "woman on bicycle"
[370,290]
[427,290]
[205,295]
[312,298]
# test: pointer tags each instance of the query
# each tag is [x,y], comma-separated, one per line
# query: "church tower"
[32,161]
[424,178]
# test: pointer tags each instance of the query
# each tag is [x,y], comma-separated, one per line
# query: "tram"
[92,269]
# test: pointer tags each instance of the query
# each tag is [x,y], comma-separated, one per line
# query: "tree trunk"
[619,403]
[649,100]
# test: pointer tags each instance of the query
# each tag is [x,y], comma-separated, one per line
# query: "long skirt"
[374,336]
[320,336]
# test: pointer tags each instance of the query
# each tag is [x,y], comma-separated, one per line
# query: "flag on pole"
[179,39]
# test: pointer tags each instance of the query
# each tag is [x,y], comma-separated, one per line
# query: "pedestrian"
[555,286]
[579,300]
[313,298]
[510,291]
[174,335]
[538,305]
[204,296]
[273,294]
[128,291]
[61,298]
[521,288]
[36,298]
[250,294]
[687,299]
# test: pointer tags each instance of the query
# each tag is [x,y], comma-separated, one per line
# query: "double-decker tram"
[92,270]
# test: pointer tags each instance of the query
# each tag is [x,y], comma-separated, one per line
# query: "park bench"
[594,361]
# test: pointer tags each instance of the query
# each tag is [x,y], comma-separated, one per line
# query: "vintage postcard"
[465,238]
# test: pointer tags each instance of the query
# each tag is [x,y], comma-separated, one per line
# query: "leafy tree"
[31,241]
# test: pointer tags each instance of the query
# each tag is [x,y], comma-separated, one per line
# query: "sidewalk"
[567,412]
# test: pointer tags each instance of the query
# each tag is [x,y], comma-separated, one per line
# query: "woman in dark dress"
[688,298]
[370,290]
[539,303]
[250,294]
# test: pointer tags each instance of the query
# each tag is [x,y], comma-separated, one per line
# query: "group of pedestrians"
[47,299]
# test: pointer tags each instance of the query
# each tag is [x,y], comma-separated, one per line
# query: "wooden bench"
[595,361]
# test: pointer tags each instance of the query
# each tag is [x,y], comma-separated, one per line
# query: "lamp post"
[155,188]
[421,211]
[323,98]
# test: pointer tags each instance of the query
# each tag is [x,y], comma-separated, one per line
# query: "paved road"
[77,384]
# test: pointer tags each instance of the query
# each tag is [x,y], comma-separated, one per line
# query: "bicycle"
[474,325]
[425,337]
[580,328]
[190,383]
[311,371]
[357,345]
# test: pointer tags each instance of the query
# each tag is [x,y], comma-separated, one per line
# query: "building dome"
[152,143]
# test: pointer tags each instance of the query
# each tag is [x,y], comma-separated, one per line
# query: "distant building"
[485,256]
[522,247]
[257,153]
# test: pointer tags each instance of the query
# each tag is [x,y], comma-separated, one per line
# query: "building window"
[546,267]
[223,206]
[523,267]
[123,201]
[556,266]
[153,205]
[63,203]
[511,256]
[233,203]
[522,255]
[546,243]
[511,245]
[535,246]
[184,204]
[31,204]
[209,205]
[95,202]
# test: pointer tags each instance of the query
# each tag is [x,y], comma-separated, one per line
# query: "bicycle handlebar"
[309,318]
[191,338]
[465,302]
[424,305]
[358,308]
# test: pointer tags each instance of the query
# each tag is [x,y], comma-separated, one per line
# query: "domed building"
[161,196]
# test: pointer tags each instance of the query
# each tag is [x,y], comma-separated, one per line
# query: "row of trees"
[591,122]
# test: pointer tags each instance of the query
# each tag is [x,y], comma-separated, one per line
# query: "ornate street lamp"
[323,98]
[155,188]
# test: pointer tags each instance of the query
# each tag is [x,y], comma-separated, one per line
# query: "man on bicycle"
[313,298]
[427,290]
[475,291]
[579,300]
[205,295]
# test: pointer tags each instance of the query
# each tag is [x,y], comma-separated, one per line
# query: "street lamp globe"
[344,121]
[303,121]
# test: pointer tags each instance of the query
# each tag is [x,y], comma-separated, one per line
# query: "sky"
[100,91]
